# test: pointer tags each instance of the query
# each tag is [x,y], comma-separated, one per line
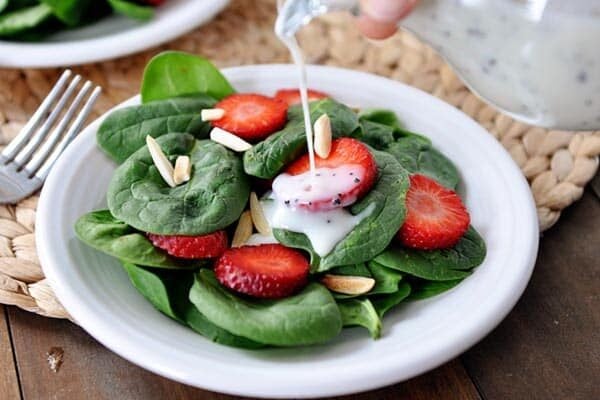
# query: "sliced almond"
[183,170]
[258,216]
[212,114]
[322,129]
[353,285]
[229,140]
[162,163]
[243,231]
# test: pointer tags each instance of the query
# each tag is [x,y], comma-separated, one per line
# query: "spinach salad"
[190,248]
[31,20]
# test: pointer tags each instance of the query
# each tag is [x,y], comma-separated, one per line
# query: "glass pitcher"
[536,60]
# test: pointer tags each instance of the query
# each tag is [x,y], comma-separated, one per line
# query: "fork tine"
[47,146]
[71,133]
[13,147]
[33,143]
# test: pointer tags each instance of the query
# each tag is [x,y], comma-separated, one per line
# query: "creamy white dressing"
[324,184]
[324,229]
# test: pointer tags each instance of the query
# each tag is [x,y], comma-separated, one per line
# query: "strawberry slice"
[436,217]
[194,247]
[346,175]
[268,270]
[292,96]
[154,2]
[252,117]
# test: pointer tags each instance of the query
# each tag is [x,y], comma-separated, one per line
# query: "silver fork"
[26,161]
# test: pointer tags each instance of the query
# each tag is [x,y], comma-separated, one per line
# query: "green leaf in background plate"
[102,231]
[168,292]
[21,20]
[437,265]
[308,317]
[124,131]
[132,10]
[360,312]
[71,12]
[174,74]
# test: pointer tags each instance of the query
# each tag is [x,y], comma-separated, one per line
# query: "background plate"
[110,37]
[416,337]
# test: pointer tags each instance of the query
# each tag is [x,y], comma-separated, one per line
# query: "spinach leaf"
[19,21]
[382,117]
[213,198]
[422,289]
[173,74]
[102,231]
[437,265]
[352,270]
[124,131]
[169,293]
[308,317]
[71,12]
[384,303]
[360,312]
[373,234]
[376,135]
[267,158]
[132,10]
[417,155]
[386,279]
[3,4]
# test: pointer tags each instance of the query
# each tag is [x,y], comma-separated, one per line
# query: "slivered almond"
[161,161]
[353,285]
[229,140]
[258,216]
[322,129]
[212,114]
[182,171]
[243,231]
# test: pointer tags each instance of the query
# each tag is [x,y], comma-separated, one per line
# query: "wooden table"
[547,348]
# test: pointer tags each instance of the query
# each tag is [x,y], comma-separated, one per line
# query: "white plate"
[110,37]
[416,337]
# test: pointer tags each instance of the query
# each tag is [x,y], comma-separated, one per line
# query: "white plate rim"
[167,25]
[356,380]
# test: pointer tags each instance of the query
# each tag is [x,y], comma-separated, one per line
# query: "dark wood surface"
[547,348]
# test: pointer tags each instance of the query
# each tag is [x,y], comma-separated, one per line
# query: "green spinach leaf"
[173,74]
[124,131]
[386,279]
[102,231]
[169,293]
[418,156]
[360,312]
[132,10]
[267,158]
[19,21]
[422,289]
[437,265]
[376,135]
[71,12]
[384,303]
[3,4]
[382,117]
[308,317]
[373,234]
[212,199]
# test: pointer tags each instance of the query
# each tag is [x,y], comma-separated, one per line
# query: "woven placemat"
[557,164]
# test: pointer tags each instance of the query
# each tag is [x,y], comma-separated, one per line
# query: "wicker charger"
[557,164]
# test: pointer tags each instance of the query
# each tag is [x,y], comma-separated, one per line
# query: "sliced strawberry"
[267,270]
[205,246]
[346,175]
[154,2]
[252,117]
[436,217]
[292,96]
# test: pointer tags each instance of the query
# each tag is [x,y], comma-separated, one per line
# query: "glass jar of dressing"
[536,60]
